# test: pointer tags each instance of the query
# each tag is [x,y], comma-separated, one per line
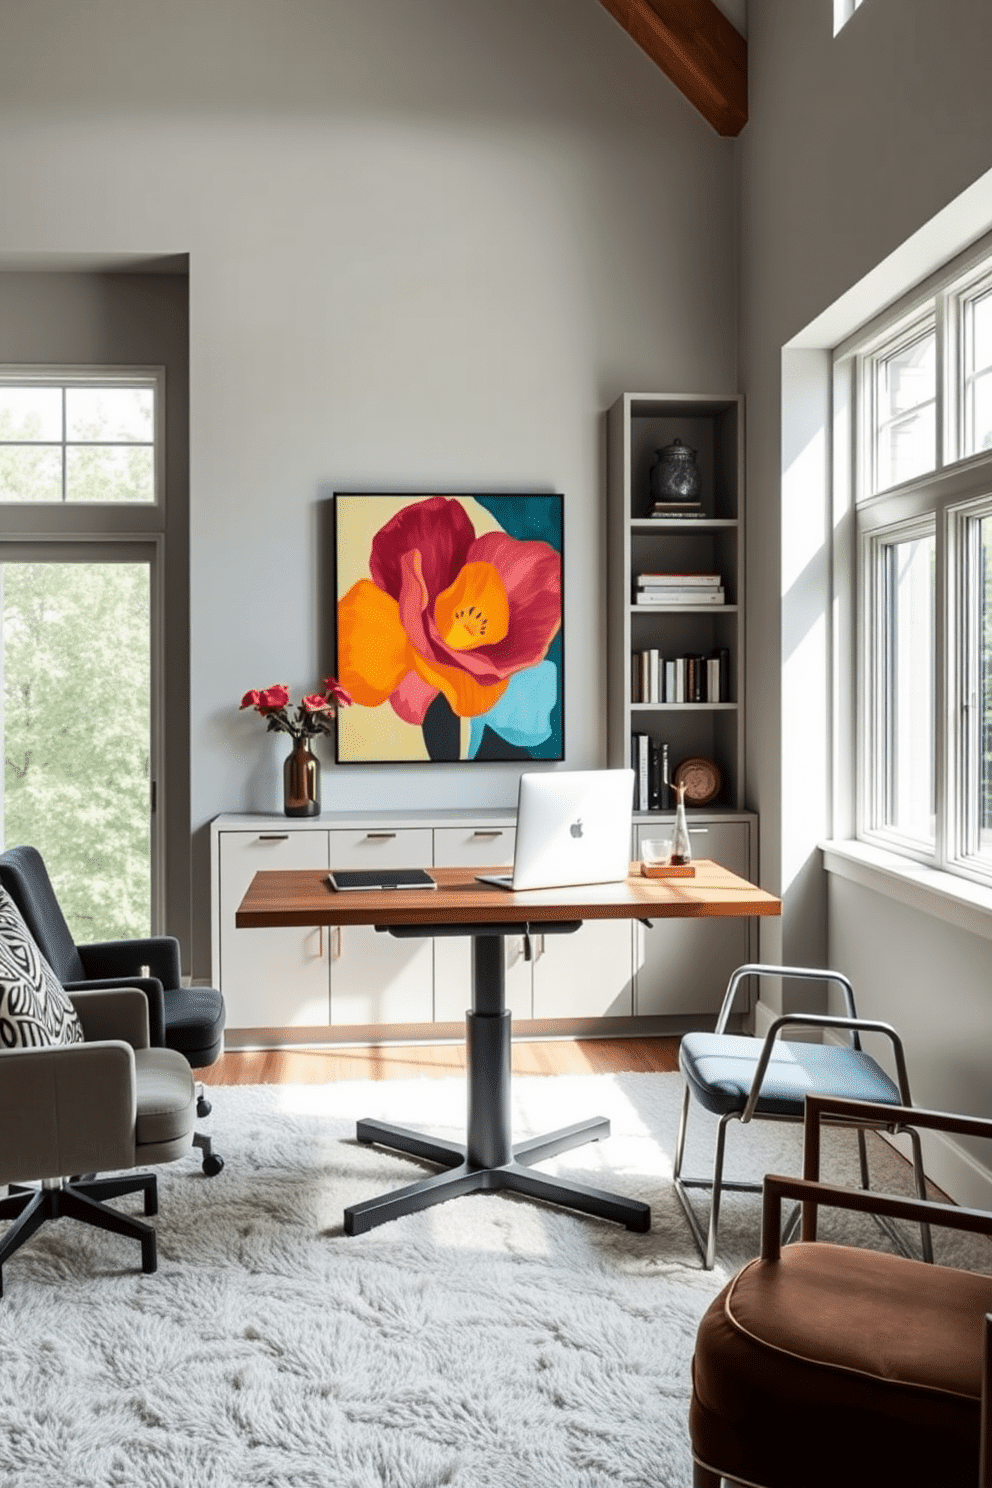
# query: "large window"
[81,542]
[922,385]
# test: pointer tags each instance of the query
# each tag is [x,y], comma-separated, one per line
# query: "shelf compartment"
[695,729]
[710,429]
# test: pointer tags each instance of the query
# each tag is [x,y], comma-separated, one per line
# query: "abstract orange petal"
[373,649]
[474,610]
[467,697]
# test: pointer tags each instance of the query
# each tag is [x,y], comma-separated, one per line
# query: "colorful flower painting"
[449,627]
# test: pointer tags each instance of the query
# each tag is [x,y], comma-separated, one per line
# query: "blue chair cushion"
[719,1069]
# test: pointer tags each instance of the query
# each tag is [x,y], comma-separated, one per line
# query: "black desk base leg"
[463,1177]
[489,1159]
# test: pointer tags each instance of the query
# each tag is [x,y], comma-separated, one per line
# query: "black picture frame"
[450,627]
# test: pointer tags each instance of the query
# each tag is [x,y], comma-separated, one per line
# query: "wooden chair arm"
[833,1109]
[865,1201]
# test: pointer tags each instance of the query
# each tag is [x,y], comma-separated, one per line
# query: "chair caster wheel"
[212,1165]
[203,1106]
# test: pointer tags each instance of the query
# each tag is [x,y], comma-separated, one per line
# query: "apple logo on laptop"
[576,828]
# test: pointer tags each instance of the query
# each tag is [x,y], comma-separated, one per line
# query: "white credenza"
[325,984]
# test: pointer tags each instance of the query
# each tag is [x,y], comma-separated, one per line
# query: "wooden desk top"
[304,897]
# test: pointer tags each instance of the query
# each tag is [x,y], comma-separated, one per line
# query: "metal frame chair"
[749,1084]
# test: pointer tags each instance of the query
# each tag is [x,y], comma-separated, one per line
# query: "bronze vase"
[301,781]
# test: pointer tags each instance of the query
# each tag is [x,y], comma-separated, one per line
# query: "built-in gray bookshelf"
[711,727]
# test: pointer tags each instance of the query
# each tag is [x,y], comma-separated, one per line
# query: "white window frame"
[964,703]
[973,290]
[79,531]
[947,501]
[95,377]
[873,784]
[870,360]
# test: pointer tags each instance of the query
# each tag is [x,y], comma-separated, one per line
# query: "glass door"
[77,721]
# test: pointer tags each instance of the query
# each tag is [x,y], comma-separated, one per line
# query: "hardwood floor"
[412,1061]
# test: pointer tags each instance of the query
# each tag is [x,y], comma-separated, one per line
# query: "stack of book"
[693,678]
[652,786]
[679,589]
[676,509]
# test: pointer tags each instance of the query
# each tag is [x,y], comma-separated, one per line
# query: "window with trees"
[922,383]
[81,484]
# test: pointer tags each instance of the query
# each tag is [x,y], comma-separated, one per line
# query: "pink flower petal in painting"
[438,529]
[412,698]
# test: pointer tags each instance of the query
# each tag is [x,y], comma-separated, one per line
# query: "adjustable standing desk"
[489,1159]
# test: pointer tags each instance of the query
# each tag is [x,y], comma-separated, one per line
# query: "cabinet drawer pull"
[334,939]
[379,836]
[273,836]
[697,831]
[489,834]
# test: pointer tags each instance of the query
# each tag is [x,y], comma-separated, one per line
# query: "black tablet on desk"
[380,878]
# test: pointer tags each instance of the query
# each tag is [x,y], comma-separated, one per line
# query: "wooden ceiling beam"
[697,48]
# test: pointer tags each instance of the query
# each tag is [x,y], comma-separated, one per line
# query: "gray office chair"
[739,1078]
[188,1019]
[105,1104]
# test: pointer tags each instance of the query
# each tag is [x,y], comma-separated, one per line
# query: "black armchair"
[187,1019]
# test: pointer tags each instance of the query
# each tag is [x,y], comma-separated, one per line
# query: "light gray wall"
[854,146]
[930,980]
[429,241]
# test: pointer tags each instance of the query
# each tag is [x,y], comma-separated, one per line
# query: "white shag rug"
[490,1342]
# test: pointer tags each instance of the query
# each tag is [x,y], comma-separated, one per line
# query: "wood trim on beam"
[697,48]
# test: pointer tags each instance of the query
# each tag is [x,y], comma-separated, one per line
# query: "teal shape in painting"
[529,714]
[527,518]
[523,715]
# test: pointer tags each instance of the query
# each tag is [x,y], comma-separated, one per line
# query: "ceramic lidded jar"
[675,475]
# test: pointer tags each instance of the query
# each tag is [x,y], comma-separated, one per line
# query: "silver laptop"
[573,827]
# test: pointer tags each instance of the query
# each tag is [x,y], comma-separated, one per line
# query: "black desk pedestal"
[489,1159]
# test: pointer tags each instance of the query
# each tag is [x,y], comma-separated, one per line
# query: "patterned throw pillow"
[34,1009]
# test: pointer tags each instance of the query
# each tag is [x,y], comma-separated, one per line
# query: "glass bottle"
[681,846]
[301,781]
